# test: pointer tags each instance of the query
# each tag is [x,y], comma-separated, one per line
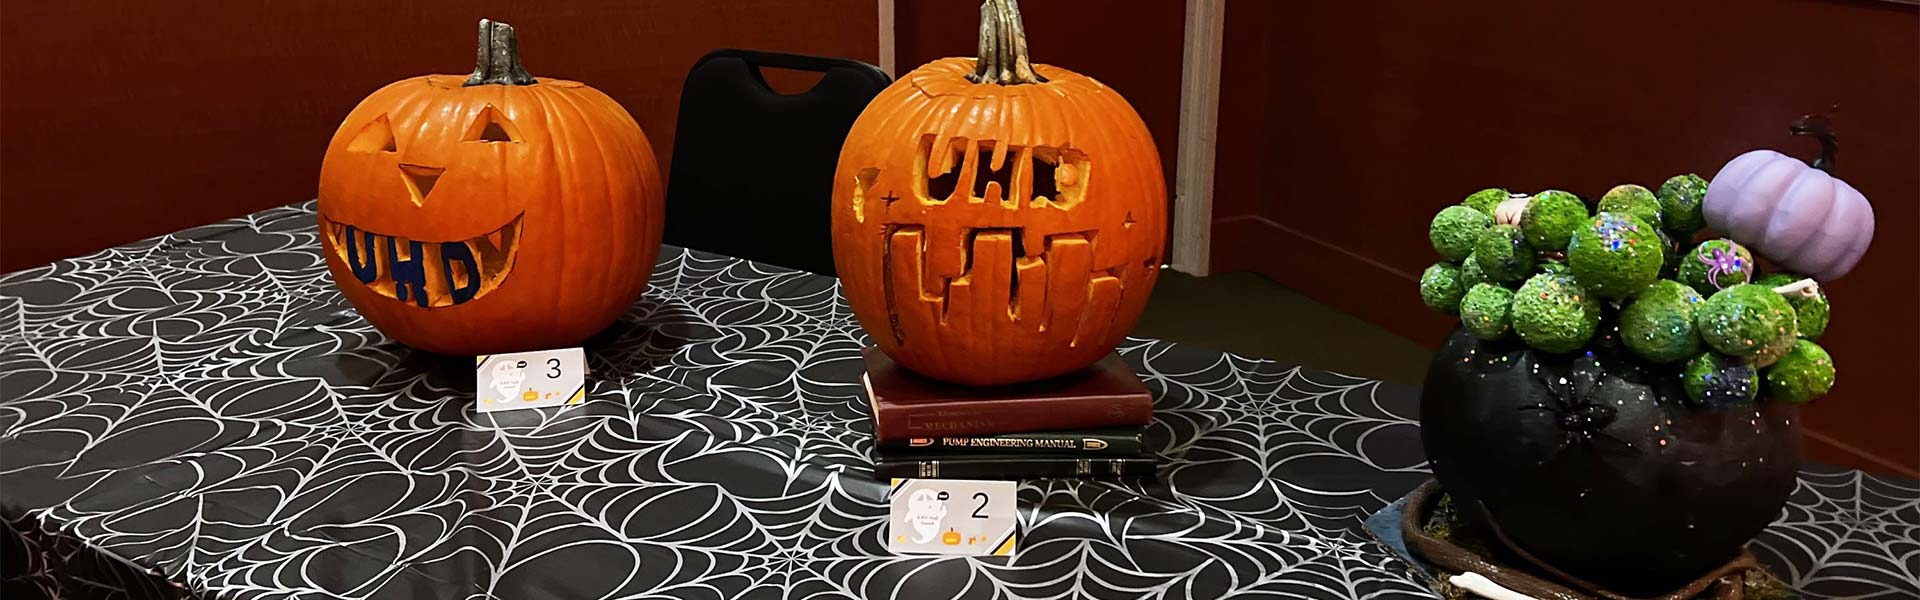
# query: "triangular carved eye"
[377,136]
[491,126]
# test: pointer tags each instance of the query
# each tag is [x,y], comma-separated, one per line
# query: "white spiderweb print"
[1846,534]
[205,407]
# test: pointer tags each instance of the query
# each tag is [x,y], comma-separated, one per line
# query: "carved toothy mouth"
[429,274]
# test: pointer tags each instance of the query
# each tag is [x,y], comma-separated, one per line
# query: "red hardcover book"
[907,405]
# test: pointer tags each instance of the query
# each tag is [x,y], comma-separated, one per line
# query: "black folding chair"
[753,168]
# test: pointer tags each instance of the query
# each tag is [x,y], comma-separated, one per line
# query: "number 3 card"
[530,379]
[953,516]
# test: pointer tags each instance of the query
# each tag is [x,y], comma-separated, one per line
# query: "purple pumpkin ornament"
[1799,216]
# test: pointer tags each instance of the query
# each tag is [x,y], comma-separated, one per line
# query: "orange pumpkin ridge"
[1000,231]
[536,206]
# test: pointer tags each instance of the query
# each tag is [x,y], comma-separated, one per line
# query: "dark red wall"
[1345,125]
[130,119]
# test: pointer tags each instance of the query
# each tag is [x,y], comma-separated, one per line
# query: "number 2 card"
[953,516]
[530,379]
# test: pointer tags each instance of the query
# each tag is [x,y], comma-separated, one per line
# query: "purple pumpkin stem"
[1821,128]
[1721,262]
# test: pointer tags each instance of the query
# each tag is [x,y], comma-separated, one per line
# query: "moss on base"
[1446,524]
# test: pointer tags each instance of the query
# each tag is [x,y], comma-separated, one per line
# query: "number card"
[953,516]
[530,379]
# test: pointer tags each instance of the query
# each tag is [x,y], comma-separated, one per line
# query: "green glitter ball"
[1440,288]
[1812,314]
[1812,311]
[1714,380]
[1804,373]
[1716,265]
[1550,219]
[1669,256]
[1503,254]
[1615,255]
[1553,313]
[1658,324]
[1486,200]
[1484,310]
[1748,321]
[1455,229]
[1470,273]
[1680,204]
[1633,200]
[1555,266]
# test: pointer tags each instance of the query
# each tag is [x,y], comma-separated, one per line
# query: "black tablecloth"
[201,414]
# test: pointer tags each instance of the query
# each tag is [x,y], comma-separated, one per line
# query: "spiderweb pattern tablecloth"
[202,414]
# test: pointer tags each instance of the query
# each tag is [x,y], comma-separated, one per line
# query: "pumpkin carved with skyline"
[996,221]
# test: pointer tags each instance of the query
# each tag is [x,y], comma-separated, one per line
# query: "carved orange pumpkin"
[490,213]
[996,221]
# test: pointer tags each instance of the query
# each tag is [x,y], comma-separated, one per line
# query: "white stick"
[1486,588]
[1509,211]
[1805,288]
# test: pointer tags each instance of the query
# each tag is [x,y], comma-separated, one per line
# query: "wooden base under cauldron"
[1729,581]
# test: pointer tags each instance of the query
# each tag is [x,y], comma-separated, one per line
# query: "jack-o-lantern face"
[478,214]
[990,233]
[420,268]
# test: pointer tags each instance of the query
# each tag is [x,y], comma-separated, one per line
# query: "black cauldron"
[1596,463]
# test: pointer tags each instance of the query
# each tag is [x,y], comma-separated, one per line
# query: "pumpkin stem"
[1003,46]
[498,61]
[1821,129]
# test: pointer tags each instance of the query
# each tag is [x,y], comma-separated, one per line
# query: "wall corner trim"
[1199,120]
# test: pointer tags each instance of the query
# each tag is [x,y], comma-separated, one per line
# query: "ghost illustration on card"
[507,377]
[925,510]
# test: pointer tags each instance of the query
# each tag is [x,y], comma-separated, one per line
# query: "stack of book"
[1085,424]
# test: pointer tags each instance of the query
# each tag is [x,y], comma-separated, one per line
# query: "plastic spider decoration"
[1721,262]
[1579,410]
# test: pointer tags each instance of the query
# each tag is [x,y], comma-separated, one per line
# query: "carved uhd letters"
[993,259]
[996,221]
